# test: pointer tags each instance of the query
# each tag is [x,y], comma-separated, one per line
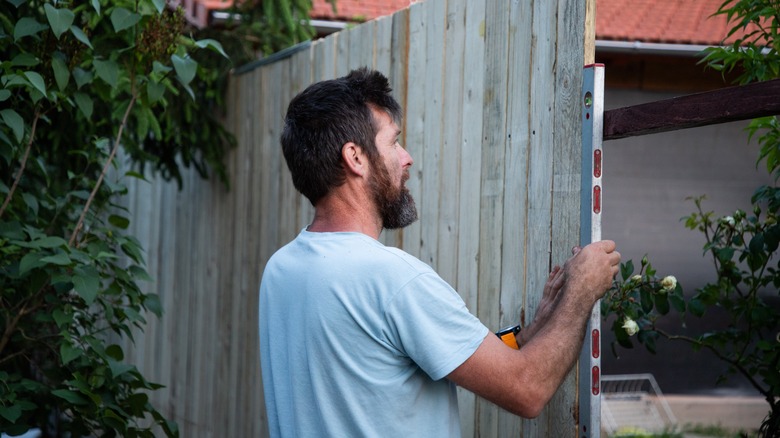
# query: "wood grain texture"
[490,93]
[701,109]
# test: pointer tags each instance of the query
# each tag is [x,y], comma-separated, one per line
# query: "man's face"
[389,174]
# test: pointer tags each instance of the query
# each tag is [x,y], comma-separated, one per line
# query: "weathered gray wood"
[470,178]
[396,69]
[451,134]
[491,205]
[414,128]
[490,94]
[566,175]
[428,202]
[517,300]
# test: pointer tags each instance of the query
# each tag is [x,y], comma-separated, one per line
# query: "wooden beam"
[709,108]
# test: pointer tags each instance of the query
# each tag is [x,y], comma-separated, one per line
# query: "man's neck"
[341,213]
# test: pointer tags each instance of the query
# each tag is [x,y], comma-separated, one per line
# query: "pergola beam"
[743,102]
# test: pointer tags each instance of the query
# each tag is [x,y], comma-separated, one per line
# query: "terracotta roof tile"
[661,21]
[656,21]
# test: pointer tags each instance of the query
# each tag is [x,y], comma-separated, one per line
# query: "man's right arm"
[523,381]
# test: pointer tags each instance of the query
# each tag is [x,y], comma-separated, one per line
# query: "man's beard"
[395,204]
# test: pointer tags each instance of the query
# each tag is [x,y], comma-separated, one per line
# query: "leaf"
[108,71]
[139,273]
[60,259]
[84,103]
[152,302]
[158,67]
[36,80]
[121,19]
[661,303]
[59,19]
[70,396]
[119,368]
[213,45]
[27,26]
[81,36]
[68,353]
[32,202]
[115,352]
[62,318]
[154,91]
[646,298]
[86,283]
[29,262]
[25,60]
[185,68]
[119,221]
[82,77]
[159,5]
[15,122]
[96,6]
[627,269]
[49,242]
[61,72]
[17,3]
[696,307]
[11,413]
[4,95]
[677,302]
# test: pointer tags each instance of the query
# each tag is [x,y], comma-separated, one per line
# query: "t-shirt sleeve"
[430,324]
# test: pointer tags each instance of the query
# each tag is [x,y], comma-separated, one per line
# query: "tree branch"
[23,164]
[80,223]
[720,356]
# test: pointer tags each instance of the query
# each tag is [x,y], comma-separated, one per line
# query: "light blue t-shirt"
[356,339]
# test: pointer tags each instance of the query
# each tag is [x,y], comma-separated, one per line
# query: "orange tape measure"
[509,336]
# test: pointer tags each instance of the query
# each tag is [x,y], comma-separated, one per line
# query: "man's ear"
[355,160]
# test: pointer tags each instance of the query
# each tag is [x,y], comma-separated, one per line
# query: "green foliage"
[743,247]
[75,79]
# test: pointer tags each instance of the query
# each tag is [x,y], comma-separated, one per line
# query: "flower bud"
[728,220]
[630,326]
[636,278]
[669,283]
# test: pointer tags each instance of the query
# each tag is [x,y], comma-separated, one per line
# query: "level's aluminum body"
[592,105]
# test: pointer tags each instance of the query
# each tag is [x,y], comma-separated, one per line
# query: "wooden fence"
[491,94]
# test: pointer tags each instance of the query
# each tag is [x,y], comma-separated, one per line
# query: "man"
[360,339]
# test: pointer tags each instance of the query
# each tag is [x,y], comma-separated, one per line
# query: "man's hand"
[591,270]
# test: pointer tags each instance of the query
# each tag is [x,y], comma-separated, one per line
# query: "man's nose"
[406,158]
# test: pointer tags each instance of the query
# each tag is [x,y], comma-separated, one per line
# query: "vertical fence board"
[396,70]
[415,117]
[449,181]
[492,195]
[490,94]
[428,202]
[515,294]
[566,175]
[470,177]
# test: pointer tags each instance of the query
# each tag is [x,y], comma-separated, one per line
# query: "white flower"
[668,283]
[630,326]
[636,278]
[728,220]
